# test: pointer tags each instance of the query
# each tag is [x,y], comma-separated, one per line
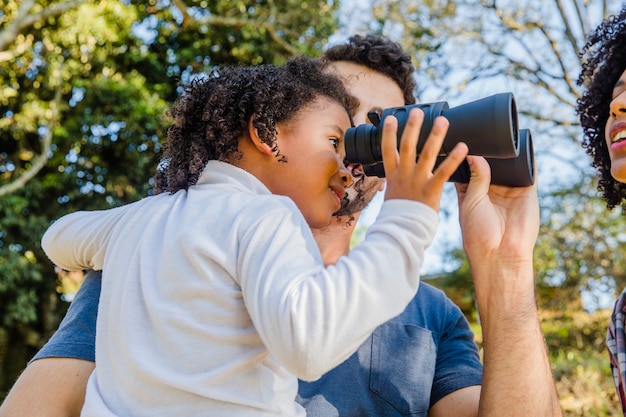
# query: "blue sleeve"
[76,335]
[458,362]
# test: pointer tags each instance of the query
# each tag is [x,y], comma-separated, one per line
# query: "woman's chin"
[618,171]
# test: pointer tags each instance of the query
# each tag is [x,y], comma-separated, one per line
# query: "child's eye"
[335,142]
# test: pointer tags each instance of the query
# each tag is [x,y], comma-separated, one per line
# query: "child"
[214,294]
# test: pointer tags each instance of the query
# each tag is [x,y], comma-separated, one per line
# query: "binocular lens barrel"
[488,126]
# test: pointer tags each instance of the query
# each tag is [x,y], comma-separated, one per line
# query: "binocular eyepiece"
[488,126]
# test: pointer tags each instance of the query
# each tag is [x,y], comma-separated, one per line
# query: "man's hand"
[498,222]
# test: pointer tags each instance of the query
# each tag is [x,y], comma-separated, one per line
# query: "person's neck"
[334,239]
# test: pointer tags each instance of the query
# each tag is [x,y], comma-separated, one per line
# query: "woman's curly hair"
[604,60]
[379,54]
[213,112]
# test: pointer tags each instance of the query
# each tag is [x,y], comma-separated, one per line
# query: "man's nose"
[355,169]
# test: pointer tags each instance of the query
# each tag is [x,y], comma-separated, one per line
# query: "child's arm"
[312,318]
[78,240]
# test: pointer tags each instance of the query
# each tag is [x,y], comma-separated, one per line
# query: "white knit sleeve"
[311,317]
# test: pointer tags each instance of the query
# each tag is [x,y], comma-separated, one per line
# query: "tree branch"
[39,161]
[190,19]
[24,19]
[568,29]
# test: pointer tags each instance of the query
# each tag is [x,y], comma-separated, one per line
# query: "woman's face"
[615,130]
[313,175]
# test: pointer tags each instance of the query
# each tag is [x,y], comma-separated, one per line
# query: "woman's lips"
[617,132]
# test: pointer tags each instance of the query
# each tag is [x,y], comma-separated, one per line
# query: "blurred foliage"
[581,245]
[84,86]
[579,361]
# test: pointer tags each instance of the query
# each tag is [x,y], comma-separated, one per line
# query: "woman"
[602,111]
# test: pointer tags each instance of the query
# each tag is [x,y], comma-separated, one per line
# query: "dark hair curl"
[380,54]
[213,112]
[604,60]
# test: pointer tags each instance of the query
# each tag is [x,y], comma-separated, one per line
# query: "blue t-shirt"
[403,368]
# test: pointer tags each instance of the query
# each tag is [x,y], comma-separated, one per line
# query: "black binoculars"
[488,126]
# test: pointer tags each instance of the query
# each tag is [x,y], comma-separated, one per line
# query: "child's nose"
[345,176]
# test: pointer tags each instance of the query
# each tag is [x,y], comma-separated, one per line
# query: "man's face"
[374,91]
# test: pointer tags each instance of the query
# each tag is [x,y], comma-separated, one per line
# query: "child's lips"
[339,193]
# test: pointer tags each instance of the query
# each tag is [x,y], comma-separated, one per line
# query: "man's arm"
[460,403]
[53,384]
[52,387]
[500,226]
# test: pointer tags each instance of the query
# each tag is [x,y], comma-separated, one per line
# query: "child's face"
[615,130]
[374,92]
[314,175]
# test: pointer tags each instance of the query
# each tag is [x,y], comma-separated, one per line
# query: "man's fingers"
[451,163]
[480,179]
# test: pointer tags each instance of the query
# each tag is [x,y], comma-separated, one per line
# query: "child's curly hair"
[379,54]
[604,60]
[213,113]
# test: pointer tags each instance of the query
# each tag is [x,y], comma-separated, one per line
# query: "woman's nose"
[617,107]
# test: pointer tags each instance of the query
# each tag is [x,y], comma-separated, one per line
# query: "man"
[422,363]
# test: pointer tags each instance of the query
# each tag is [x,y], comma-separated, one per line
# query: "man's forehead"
[372,89]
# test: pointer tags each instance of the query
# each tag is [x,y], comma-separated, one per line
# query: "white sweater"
[215,299]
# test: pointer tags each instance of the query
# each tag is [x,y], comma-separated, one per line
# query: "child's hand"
[411,180]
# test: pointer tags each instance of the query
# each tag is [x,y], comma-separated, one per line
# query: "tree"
[581,246]
[84,90]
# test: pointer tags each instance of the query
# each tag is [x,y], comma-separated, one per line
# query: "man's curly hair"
[213,112]
[379,54]
[604,60]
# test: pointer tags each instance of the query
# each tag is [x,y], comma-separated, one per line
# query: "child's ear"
[261,146]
